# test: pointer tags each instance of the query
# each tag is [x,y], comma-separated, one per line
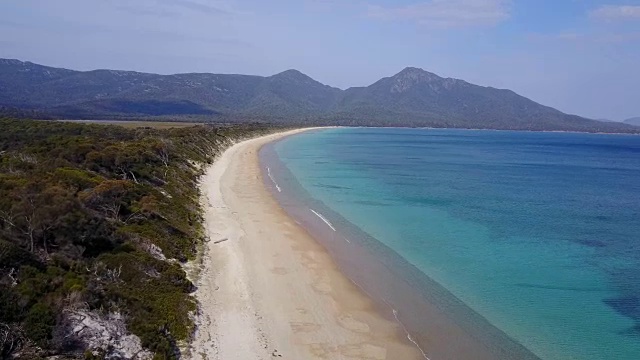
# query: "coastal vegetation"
[95,222]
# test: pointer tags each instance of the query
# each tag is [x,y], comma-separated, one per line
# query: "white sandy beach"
[269,290]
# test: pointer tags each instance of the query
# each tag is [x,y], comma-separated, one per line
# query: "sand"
[268,289]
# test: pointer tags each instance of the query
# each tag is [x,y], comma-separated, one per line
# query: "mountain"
[109,92]
[421,97]
[413,97]
[633,121]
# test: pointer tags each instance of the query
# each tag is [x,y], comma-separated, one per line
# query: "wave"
[395,315]
[323,219]
[273,180]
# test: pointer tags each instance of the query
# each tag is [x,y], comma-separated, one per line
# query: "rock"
[153,250]
[106,334]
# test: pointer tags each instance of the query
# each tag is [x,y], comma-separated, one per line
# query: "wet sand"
[268,289]
[434,320]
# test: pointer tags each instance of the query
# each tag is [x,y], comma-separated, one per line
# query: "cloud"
[169,8]
[616,12]
[602,37]
[324,5]
[195,6]
[139,10]
[446,13]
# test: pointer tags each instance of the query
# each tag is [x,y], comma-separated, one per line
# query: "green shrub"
[76,203]
[39,323]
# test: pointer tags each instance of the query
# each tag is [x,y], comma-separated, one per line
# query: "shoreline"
[487,129]
[267,288]
[430,316]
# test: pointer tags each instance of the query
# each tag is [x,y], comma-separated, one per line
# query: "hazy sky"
[581,56]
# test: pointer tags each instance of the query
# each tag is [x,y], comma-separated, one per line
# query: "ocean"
[527,243]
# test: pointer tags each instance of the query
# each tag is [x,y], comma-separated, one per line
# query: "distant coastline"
[186,123]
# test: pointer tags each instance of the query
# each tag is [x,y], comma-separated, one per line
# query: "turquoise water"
[539,233]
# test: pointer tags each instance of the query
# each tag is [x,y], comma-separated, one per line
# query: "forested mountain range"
[413,97]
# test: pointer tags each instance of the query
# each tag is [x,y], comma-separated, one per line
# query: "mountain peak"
[412,76]
[292,73]
[410,70]
[295,76]
[415,72]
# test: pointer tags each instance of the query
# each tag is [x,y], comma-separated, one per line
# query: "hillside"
[633,121]
[108,92]
[413,97]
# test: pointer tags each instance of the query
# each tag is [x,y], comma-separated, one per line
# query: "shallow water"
[538,233]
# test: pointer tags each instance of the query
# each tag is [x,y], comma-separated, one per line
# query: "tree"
[162,149]
[35,209]
[108,197]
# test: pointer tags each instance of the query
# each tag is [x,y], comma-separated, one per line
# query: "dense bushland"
[99,218]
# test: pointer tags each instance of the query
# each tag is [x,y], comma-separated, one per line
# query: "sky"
[580,56]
